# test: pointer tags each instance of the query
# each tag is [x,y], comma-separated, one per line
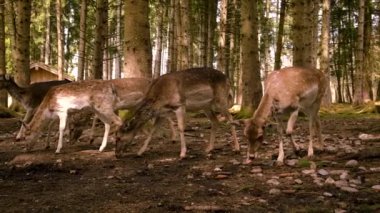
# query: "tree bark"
[221,48]
[250,66]
[137,52]
[60,40]
[100,38]
[21,38]
[325,57]
[82,39]
[360,94]
[47,47]
[280,35]
[159,31]
[3,93]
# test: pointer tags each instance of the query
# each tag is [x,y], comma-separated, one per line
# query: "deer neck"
[264,110]
[15,91]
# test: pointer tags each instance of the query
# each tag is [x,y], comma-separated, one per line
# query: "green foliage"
[243,113]
[303,163]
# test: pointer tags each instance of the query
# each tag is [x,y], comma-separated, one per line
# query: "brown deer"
[291,90]
[188,90]
[30,97]
[102,97]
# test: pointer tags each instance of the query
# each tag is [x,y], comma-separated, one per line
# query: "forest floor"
[345,177]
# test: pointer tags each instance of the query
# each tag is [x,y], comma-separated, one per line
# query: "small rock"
[376,169]
[274,191]
[344,176]
[362,168]
[340,211]
[256,169]
[337,172]
[376,188]
[73,171]
[298,181]
[217,169]
[221,176]
[235,162]
[341,183]
[313,165]
[273,182]
[352,163]
[355,181]
[329,180]
[348,189]
[308,171]
[150,166]
[331,149]
[291,162]
[327,194]
[323,172]
[357,142]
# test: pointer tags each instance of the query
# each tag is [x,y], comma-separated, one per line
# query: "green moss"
[125,114]
[244,113]
[304,163]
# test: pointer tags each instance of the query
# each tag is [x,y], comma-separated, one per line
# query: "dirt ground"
[83,180]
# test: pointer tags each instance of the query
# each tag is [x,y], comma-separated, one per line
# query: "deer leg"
[149,138]
[281,154]
[108,118]
[62,125]
[47,145]
[173,134]
[289,129]
[28,116]
[214,124]
[107,128]
[236,146]
[180,114]
[92,136]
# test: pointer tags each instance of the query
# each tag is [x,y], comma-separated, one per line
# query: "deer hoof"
[279,163]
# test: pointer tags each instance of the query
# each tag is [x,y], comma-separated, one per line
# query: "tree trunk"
[250,66]
[60,40]
[159,29]
[21,38]
[82,39]
[303,28]
[183,34]
[212,6]
[360,94]
[117,60]
[100,38]
[325,57]
[280,35]
[47,47]
[3,93]
[137,52]
[221,48]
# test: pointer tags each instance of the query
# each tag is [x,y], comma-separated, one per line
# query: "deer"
[288,90]
[103,97]
[30,97]
[192,89]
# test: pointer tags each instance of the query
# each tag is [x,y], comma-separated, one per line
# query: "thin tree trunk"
[47,47]
[280,35]
[325,58]
[60,40]
[3,93]
[118,63]
[213,6]
[221,60]
[360,94]
[82,39]
[160,29]
[100,38]
[183,34]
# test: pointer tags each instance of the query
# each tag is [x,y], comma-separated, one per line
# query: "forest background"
[245,39]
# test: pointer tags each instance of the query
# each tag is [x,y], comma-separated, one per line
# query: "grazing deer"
[102,97]
[30,97]
[291,90]
[188,90]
